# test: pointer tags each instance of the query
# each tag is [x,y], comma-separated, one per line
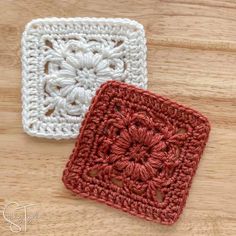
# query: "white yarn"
[64,61]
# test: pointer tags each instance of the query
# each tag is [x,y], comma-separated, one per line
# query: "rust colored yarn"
[138,152]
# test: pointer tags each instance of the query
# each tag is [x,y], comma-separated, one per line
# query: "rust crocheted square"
[138,152]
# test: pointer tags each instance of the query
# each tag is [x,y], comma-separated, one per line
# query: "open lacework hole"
[158,171]
[73,38]
[112,66]
[117,171]
[125,66]
[105,130]
[59,67]
[117,182]
[119,43]
[117,108]
[166,149]
[106,150]
[171,172]
[93,173]
[159,196]
[137,123]
[117,131]
[171,151]
[93,40]
[46,68]
[138,192]
[48,43]
[49,112]
[181,131]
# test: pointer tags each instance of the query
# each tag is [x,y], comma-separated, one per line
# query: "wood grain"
[191,58]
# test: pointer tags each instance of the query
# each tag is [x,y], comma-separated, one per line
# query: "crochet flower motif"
[139,153]
[75,68]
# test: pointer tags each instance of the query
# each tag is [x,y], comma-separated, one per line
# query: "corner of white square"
[64,62]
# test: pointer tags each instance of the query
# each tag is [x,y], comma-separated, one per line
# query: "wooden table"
[191,58]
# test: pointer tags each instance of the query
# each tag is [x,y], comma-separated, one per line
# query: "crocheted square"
[64,61]
[138,152]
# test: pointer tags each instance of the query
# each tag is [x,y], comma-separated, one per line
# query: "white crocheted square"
[64,61]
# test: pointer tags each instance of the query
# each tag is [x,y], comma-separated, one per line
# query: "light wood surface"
[191,59]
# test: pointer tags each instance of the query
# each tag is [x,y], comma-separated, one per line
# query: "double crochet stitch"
[138,152]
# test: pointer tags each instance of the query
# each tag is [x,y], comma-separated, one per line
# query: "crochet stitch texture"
[64,61]
[138,152]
